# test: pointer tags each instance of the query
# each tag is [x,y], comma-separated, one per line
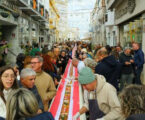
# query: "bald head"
[102,53]
[75,62]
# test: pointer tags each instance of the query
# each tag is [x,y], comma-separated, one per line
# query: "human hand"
[39,111]
[127,63]
[77,115]
[132,61]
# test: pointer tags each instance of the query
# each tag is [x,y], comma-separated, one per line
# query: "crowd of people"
[110,77]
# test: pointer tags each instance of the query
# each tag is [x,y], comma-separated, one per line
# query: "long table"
[69,97]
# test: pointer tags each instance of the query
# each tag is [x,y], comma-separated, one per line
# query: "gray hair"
[90,63]
[39,58]
[127,48]
[27,72]
[21,103]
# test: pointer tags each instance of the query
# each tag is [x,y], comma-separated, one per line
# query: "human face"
[8,78]
[127,51]
[63,54]
[36,64]
[56,51]
[75,64]
[134,46]
[28,81]
[90,87]
[118,49]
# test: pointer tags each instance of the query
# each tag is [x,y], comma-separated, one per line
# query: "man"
[78,64]
[100,97]
[127,72]
[27,79]
[56,51]
[108,67]
[138,60]
[43,82]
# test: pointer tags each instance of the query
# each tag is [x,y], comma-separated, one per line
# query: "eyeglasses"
[34,62]
[11,76]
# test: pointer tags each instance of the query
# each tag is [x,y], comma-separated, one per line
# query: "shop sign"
[129,8]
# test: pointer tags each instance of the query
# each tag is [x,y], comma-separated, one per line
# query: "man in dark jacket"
[27,79]
[108,67]
[127,74]
[138,60]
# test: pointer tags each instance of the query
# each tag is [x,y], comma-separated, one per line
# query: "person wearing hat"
[100,97]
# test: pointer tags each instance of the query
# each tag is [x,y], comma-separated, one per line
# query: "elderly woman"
[132,100]
[90,63]
[8,83]
[22,105]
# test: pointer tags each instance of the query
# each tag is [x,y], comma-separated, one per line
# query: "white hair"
[27,72]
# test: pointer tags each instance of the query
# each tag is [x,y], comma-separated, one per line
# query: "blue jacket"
[110,68]
[139,58]
[36,94]
[2,118]
[42,116]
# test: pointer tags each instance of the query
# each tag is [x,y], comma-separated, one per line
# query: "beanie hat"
[86,76]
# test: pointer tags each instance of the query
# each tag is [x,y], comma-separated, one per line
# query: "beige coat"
[46,88]
[107,99]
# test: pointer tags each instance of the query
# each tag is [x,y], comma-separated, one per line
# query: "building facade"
[130,19]
[23,21]
[53,21]
[62,6]
[98,23]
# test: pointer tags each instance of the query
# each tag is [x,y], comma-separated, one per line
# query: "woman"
[49,68]
[22,105]
[132,100]
[90,63]
[8,83]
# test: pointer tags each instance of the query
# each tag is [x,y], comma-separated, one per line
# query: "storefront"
[132,32]
[128,16]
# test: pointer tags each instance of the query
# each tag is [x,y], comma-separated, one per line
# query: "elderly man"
[127,72]
[139,61]
[43,82]
[108,66]
[27,79]
[78,64]
[100,97]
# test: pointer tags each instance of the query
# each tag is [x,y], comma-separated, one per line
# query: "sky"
[75,5]
[76,19]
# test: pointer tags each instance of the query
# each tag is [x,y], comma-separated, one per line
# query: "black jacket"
[110,69]
[126,69]
[136,117]
[36,94]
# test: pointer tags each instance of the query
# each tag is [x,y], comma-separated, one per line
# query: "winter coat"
[106,96]
[136,117]
[36,94]
[139,58]
[45,87]
[110,68]
[126,69]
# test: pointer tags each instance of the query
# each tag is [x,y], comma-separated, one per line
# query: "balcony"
[112,3]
